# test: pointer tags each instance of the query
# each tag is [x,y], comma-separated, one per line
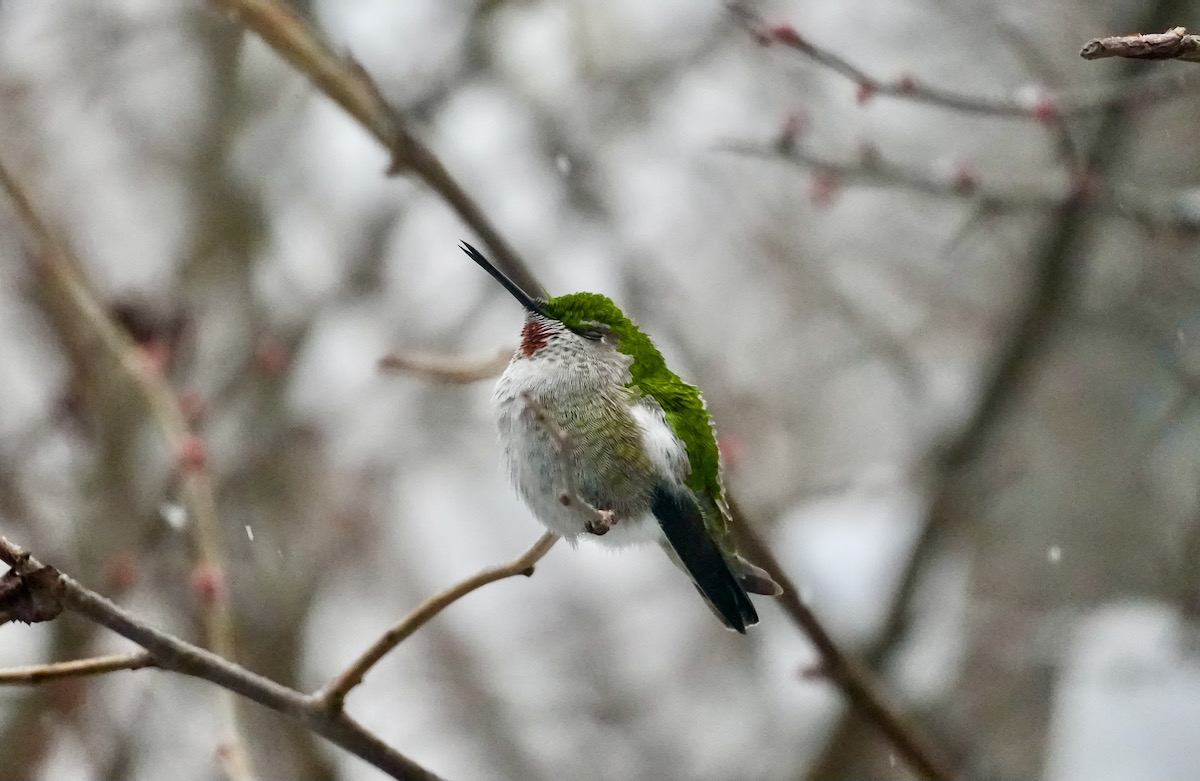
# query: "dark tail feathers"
[683,525]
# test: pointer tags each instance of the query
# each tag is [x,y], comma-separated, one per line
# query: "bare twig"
[171,653]
[333,697]
[346,82]
[1046,106]
[449,369]
[856,681]
[1031,56]
[204,528]
[1174,44]
[40,673]
[872,169]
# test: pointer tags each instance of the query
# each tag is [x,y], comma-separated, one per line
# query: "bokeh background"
[954,367]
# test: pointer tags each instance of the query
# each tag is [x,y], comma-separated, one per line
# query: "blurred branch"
[39,673]
[1035,323]
[1045,106]
[449,369]
[57,265]
[45,585]
[856,681]
[871,169]
[346,82]
[1031,57]
[1174,44]
[334,696]
[842,741]
[804,275]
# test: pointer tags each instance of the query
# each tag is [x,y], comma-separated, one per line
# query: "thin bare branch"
[1038,318]
[1032,57]
[872,169]
[69,284]
[40,673]
[1042,106]
[855,680]
[333,697]
[450,369]
[1174,44]
[171,653]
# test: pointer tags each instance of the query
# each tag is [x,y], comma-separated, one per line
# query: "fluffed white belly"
[543,476]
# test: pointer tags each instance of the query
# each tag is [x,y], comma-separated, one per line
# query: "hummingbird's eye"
[593,331]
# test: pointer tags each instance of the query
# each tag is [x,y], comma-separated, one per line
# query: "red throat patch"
[533,338]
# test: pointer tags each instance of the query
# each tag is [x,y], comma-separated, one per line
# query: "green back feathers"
[681,403]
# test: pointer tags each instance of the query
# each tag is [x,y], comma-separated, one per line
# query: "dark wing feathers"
[683,525]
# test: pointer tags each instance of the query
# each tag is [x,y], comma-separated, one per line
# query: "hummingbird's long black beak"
[528,301]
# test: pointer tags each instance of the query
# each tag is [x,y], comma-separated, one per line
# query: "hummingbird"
[604,442]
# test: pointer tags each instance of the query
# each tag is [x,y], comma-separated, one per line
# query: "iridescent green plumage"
[681,403]
[629,454]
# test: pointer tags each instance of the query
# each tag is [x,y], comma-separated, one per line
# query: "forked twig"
[171,653]
[333,697]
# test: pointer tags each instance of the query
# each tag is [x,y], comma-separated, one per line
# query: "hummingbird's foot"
[601,522]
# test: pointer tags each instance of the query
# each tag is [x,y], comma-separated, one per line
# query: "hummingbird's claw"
[602,522]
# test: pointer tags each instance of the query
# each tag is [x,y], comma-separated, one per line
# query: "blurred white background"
[1033,605]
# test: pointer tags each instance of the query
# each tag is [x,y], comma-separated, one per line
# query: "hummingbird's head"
[582,317]
[577,321]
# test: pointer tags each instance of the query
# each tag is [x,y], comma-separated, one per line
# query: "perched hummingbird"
[602,439]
